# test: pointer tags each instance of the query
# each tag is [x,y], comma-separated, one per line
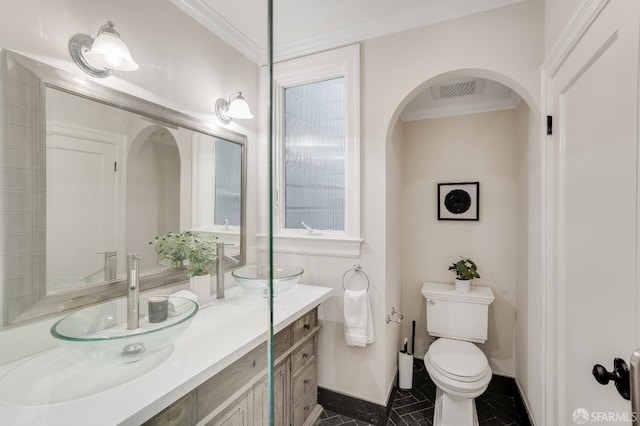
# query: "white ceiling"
[306,26]
[460,96]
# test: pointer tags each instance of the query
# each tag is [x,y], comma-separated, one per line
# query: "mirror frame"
[50,76]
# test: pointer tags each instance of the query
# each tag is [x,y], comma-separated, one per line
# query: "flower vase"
[463,286]
[201,286]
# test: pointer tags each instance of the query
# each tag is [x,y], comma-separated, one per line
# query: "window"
[228,183]
[317,155]
[314,155]
[217,184]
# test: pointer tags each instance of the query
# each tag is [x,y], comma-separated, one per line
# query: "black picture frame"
[459,201]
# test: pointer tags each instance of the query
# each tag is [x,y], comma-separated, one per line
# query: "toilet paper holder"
[395,316]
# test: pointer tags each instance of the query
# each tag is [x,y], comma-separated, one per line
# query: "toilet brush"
[413,337]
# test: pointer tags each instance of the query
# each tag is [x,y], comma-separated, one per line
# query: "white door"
[593,94]
[81,207]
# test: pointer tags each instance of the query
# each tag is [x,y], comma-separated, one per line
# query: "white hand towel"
[178,303]
[358,325]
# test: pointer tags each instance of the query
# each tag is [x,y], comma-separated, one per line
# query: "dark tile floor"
[329,418]
[416,406]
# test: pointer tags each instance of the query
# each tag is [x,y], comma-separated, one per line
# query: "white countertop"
[56,388]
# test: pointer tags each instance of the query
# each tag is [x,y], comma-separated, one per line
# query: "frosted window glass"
[314,155]
[228,183]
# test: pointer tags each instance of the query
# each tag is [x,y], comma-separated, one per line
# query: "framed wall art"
[459,201]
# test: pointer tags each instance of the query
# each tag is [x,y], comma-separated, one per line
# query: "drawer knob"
[306,382]
[307,326]
[306,408]
[305,356]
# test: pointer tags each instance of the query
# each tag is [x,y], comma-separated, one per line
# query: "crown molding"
[372,29]
[578,25]
[84,133]
[215,23]
[461,109]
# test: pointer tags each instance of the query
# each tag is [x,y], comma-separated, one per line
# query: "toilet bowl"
[457,367]
[461,373]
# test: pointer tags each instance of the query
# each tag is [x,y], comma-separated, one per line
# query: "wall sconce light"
[236,107]
[100,56]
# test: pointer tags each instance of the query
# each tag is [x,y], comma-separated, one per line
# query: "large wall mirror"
[91,174]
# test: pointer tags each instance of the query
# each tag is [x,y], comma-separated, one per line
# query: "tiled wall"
[23,188]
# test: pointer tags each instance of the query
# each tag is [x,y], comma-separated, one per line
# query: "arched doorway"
[466,135]
[153,191]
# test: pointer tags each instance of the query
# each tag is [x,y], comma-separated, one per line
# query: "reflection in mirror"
[92,174]
[217,172]
[95,179]
[153,192]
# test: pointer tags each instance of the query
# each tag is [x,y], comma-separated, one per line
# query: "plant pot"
[201,286]
[463,286]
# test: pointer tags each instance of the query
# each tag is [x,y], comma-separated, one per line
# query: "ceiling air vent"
[464,88]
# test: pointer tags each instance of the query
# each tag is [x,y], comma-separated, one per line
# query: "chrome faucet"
[133,292]
[108,271]
[110,265]
[220,269]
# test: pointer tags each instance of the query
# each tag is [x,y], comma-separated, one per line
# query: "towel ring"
[355,268]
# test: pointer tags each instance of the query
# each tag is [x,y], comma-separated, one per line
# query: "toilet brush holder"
[405,370]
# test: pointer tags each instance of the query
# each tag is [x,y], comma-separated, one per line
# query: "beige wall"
[179,59]
[529,300]
[506,45]
[477,147]
[182,65]
[395,245]
[557,15]
[187,65]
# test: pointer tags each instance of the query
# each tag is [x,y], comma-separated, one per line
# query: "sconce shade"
[237,108]
[109,51]
[100,56]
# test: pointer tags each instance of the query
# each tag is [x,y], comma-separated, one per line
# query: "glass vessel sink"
[255,278]
[99,333]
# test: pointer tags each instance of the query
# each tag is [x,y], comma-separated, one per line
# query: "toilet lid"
[458,360]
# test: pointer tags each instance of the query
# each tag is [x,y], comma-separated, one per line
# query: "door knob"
[619,375]
[635,384]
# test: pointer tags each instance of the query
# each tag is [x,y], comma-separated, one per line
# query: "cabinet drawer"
[303,355]
[304,382]
[282,341]
[304,407]
[303,325]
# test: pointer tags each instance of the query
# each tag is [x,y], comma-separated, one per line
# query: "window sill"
[315,245]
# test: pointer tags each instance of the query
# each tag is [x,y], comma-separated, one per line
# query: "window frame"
[343,62]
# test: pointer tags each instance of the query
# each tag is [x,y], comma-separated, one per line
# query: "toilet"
[457,367]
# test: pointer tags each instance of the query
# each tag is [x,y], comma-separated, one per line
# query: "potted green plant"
[198,251]
[466,270]
[172,247]
[201,254]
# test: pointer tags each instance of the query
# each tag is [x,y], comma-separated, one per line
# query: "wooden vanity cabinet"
[281,397]
[238,394]
[304,372]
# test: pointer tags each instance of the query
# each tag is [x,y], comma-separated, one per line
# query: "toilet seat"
[456,366]
[458,360]
[471,373]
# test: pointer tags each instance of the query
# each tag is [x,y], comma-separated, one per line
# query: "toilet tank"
[461,316]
